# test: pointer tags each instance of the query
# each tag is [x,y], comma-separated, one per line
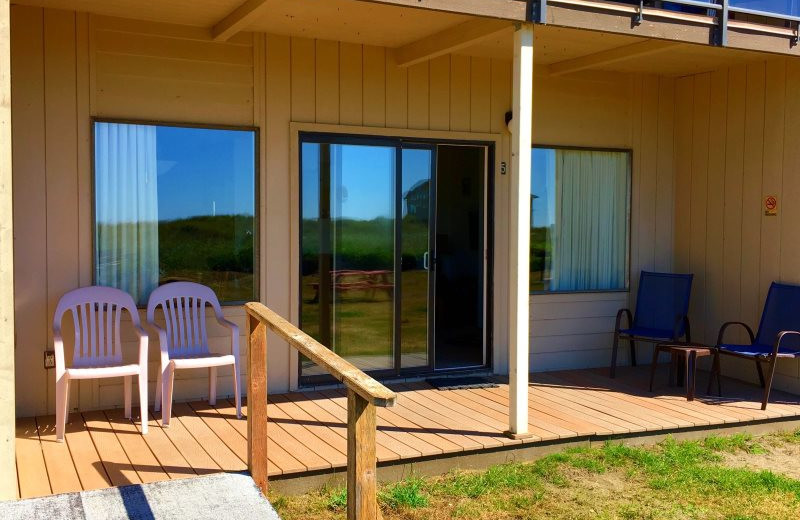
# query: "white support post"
[519,233]
[8,472]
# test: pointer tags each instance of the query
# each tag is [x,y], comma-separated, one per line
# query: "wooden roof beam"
[450,40]
[615,55]
[238,19]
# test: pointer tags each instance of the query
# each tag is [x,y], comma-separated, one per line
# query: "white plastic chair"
[184,342]
[96,315]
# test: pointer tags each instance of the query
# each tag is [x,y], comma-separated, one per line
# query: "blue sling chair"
[777,337]
[662,305]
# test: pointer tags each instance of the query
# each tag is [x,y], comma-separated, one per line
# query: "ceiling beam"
[610,56]
[450,40]
[238,19]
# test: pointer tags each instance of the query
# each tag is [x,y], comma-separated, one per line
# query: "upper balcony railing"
[774,17]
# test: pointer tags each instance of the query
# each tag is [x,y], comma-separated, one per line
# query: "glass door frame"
[400,143]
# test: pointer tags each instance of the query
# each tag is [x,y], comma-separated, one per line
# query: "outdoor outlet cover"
[49,359]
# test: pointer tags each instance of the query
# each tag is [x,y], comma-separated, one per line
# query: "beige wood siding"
[69,67]
[737,132]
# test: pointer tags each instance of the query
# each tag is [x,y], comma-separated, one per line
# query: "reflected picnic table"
[355,280]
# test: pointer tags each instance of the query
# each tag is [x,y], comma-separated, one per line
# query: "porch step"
[224,495]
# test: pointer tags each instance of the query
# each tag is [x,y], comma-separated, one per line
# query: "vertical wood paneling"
[665,181]
[648,174]
[374,86]
[734,160]
[396,93]
[277,236]
[636,173]
[61,158]
[30,203]
[790,209]
[501,94]
[480,94]
[440,93]
[326,62]
[684,100]
[303,92]
[459,92]
[751,193]
[350,84]
[715,203]
[772,172]
[418,83]
[698,200]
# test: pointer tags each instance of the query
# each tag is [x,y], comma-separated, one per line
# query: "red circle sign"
[771,203]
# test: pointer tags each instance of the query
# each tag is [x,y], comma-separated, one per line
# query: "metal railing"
[719,12]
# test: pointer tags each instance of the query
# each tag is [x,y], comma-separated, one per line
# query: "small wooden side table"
[689,352]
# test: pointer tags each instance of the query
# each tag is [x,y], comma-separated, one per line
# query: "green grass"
[672,480]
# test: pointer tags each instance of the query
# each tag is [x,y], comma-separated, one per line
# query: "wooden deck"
[307,431]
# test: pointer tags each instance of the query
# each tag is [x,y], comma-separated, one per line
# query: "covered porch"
[428,431]
[710,133]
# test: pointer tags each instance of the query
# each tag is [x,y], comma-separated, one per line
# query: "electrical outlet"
[49,359]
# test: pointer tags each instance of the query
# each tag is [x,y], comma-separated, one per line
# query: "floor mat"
[460,383]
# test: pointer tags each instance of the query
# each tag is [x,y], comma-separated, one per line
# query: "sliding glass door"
[348,251]
[368,281]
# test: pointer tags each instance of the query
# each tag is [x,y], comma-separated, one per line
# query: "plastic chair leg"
[128,389]
[62,407]
[212,386]
[143,400]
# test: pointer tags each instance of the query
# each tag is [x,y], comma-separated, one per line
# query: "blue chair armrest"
[618,324]
[782,334]
[725,326]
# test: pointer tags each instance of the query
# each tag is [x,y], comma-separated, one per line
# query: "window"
[579,220]
[175,203]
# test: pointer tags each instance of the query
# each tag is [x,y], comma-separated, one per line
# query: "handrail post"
[257,403]
[362,503]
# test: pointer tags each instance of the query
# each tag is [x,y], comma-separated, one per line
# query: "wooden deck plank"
[234,440]
[279,461]
[114,459]
[667,417]
[83,451]
[456,419]
[442,402]
[438,443]
[205,436]
[31,469]
[387,433]
[144,462]
[319,438]
[60,468]
[307,430]
[168,455]
[590,399]
[200,461]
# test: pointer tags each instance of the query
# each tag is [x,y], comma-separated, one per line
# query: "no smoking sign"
[770,205]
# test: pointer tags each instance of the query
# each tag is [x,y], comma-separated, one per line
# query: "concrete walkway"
[223,496]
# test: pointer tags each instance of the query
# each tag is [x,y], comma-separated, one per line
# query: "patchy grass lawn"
[735,477]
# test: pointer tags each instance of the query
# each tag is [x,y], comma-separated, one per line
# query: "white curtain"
[126,208]
[590,240]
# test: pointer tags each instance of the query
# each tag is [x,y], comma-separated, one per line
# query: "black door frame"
[400,142]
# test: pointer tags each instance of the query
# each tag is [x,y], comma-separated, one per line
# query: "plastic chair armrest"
[144,340]
[725,326]
[58,347]
[234,328]
[618,323]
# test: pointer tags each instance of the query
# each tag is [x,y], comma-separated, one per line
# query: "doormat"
[460,383]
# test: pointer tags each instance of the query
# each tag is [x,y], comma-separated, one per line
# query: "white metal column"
[8,472]
[519,233]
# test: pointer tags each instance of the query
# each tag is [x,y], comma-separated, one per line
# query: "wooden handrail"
[363,395]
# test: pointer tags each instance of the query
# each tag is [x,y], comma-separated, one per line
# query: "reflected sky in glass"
[361,172]
[204,171]
[543,187]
